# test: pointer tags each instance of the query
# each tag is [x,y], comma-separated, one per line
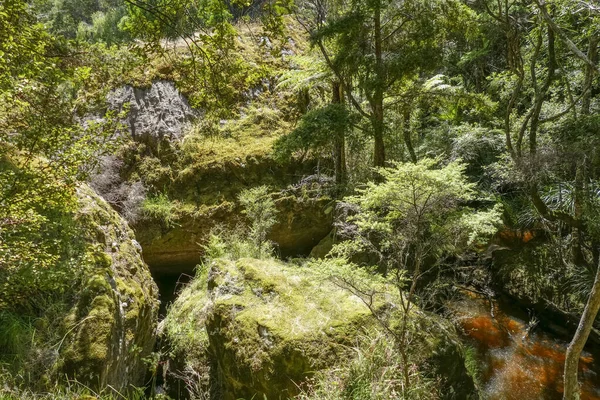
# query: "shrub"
[260,209]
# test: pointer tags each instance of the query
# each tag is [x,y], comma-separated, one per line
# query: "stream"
[517,362]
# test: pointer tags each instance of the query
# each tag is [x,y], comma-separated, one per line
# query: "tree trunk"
[377,102]
[590,73]
[578,257]
[339,149]
[576,346]
[407,136]
[378,129]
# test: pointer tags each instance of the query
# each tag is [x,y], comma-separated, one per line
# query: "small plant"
[260,209]
[162,209]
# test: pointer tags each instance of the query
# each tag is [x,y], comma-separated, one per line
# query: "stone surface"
[300,226]
[260,328]
[111,327]
[155,114]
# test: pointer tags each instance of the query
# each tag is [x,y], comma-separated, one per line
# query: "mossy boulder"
[259,328]
[111,326]
[262,328]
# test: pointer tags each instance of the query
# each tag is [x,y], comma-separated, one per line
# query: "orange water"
[515,365]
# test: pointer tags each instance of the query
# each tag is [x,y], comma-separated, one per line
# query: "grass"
[374,372]
[162,209]
[71,390]
[16,334]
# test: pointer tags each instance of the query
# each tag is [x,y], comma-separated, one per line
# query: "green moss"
[84,328]
[269,325]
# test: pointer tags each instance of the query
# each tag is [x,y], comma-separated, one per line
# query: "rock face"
[300,226]
[111,327]
[260,328]
[155,114]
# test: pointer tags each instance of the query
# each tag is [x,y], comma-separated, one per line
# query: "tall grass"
[72,390]
[16,336]
[374,373]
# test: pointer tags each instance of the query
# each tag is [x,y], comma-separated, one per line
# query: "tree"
[549,137]
[321,127]
[373,46]
[215,75]
[412,222]
[45,150]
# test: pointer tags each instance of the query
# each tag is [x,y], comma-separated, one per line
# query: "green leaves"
[418,212]
[316,131]
[46,150]
[259,206]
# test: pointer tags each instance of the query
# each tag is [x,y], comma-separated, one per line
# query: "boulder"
[254,328]
[111,326]
[155,114]
[261,328]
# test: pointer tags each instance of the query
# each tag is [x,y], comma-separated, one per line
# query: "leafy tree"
[411,222]
[546,86]
[213,72]
[45,151]
[373,47]
[89,20]
[320,129]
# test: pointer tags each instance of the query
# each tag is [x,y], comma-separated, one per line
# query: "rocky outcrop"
[301,225]
[110,328]
[304,217]
[259,328]
[155,114]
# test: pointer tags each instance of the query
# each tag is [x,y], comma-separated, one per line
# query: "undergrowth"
[374,372]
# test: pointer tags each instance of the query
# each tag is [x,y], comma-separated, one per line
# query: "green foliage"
[70,391]
[372,374]
[161,209]
[316,131]
[45,152]
[16,335]
[105,26]
[233,245]
[418,213]
[260,209]
[86,20]
[208,56]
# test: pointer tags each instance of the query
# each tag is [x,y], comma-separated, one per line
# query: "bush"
[260,209]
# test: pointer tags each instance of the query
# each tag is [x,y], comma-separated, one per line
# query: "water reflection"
[517,363]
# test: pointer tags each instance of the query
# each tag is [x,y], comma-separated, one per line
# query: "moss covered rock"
[208,198]
[111,326]
[260,328]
